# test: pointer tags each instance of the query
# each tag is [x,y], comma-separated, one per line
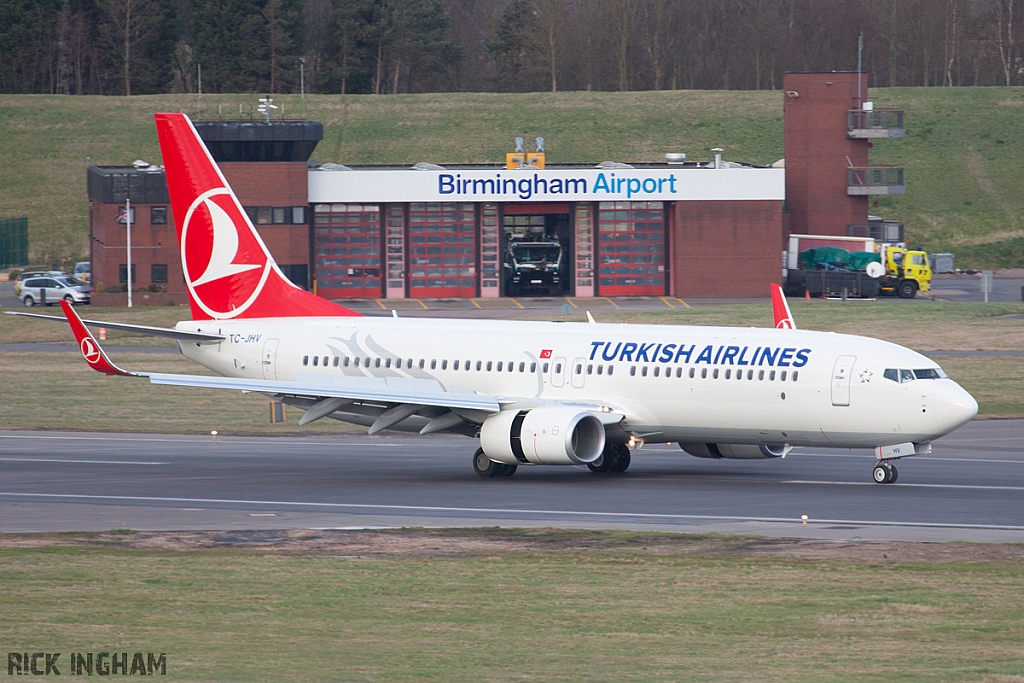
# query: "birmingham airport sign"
[559,185]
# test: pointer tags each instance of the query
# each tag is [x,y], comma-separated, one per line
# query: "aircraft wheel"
[484,466]
[506,470]
[880,474]
[892,478]
[604,461]
[622,458]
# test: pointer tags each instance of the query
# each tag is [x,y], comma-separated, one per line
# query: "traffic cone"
[807,295]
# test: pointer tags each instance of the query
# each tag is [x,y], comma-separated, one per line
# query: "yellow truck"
[907,271]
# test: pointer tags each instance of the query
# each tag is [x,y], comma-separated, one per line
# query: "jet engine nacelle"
[734,451]
[548,435]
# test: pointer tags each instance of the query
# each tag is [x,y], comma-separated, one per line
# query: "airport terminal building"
[684,228]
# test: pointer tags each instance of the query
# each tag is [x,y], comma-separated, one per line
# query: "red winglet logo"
[94,355]
[228,269]
[780,309]
[546,353]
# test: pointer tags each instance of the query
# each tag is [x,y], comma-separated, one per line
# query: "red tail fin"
[228,270]
[780,309]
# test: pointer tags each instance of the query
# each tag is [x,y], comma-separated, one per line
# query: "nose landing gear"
[884,473]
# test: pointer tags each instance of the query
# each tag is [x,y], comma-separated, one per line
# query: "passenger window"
[355,361]
[579,369]
[366,362]
[657,371]
[750,374]
[632,371]
[444,364]
[760,375]
[544,369]
[643,371]
[489,365]
[533,368]
[387,363]
[468,366]
[336,360]
[305,360]
[376,363]
[522,367]
[692,371]
[716,373]
[499,366]
[316,360]
[511,366]
[455,365]
[346,361]
[679,372]
[703,373]
[795,374]
[600,369]
[590,369]
[479,364]
[783,376]
[422,363]
[610,368]
[433,364]
[771,376]
[906,376]
[728,374]
[558,368]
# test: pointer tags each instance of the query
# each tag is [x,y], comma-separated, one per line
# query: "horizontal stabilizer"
[146,330]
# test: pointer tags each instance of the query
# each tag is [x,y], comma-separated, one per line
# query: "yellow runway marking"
[683,302]
[665,301]
[611,302]
[473,301]
[516,302]
[570,302]
[379,303]
[421,303]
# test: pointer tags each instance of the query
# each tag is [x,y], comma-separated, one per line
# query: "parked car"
[83,271]
[50,290]
[31,274]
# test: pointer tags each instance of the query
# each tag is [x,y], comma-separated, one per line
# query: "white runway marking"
[922,486]
[509,511]
[87,462]
[204,439]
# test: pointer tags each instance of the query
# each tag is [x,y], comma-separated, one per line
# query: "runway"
[969,488]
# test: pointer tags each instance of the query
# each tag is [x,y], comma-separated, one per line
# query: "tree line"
[124,47]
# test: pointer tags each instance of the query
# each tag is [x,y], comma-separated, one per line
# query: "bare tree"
[130,22]
[1004,38]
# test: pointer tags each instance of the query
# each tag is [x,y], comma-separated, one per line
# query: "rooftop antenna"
[266,104]
[860,51]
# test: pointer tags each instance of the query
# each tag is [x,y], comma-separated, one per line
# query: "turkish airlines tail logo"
[228,269]
[780,309]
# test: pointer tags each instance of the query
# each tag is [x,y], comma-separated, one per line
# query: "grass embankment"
[961,153]
[112,404]
[495,605]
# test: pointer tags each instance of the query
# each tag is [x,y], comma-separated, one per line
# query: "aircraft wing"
[147,330]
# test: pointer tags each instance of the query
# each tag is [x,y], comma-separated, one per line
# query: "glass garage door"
[631,249]
[442,250]
[347,250]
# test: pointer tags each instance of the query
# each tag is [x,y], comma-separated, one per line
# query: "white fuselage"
[672,383]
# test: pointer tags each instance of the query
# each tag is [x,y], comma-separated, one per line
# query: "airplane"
[533,393]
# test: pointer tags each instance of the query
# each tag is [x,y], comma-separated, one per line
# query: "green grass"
[640,608]
[962,151]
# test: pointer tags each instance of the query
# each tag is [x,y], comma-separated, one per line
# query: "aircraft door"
[841,374]
[270,359]
[558,372]
[579,367]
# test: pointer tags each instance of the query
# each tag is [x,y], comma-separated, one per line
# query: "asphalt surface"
[969,488]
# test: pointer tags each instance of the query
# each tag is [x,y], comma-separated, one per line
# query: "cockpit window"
[910,375]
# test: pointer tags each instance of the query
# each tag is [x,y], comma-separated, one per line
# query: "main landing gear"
[485,467]
[884,473]
[614,458]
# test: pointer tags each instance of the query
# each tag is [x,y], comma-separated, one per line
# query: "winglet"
[780,308]
[94,354]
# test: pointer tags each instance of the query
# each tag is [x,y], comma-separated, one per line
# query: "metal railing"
[875,180]
[876,119]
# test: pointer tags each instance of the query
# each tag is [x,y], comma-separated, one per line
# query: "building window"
[158,273]
[123,274]
[298,215]
[158,216]
[278,214]
[263,215]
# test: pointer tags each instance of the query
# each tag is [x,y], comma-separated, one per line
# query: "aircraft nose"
[954,407]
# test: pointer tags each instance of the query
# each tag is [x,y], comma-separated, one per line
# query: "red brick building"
[709,228]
